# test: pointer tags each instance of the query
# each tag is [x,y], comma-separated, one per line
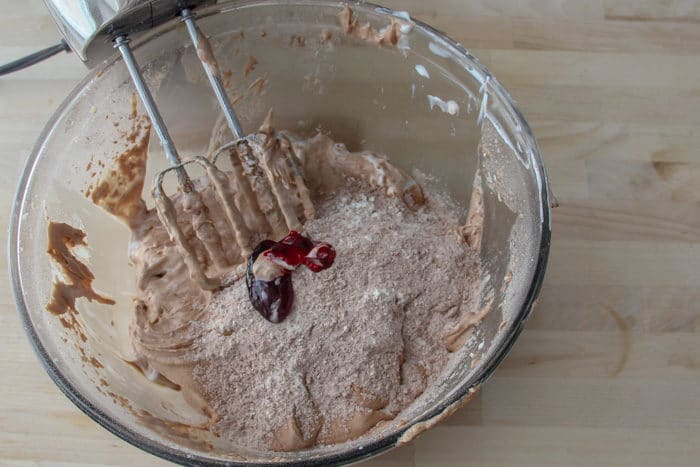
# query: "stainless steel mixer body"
[90,26]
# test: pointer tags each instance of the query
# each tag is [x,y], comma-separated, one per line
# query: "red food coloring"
[320,257]
[272,297]
[298,241]
[295,249]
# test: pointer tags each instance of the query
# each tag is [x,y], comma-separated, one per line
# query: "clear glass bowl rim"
[351,455]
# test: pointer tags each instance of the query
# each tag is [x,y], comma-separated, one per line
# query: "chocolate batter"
[364,338]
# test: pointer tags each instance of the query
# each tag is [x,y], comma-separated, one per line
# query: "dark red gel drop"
[273,299]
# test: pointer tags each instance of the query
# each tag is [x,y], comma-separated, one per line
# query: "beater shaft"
[122,43]
[211,69]
[264,179]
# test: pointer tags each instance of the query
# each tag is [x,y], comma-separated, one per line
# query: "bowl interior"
[425,103]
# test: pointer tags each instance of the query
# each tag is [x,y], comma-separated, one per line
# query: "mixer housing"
[90,26]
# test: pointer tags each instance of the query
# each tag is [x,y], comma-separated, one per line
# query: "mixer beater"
[262,193]
[262,182]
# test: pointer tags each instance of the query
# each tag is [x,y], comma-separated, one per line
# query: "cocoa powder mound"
[364,338]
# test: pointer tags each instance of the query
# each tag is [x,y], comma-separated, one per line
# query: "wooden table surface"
[608,369]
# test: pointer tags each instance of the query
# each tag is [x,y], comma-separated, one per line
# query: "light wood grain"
[608,369]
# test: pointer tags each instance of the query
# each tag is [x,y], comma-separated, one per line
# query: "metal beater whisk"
[248,158]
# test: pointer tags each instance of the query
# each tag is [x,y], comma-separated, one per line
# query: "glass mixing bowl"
[426,103]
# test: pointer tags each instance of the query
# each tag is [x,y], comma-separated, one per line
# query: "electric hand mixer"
[91,28]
